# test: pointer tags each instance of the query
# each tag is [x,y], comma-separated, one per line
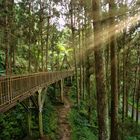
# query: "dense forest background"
[100,40]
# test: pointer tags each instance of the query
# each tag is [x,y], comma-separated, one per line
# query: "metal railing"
[16,88]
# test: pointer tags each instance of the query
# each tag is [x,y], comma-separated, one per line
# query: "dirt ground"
[64,131]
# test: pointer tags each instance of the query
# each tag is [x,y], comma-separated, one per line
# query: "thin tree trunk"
[47,42]
[73,44]
[83,62]
[124,93]
[6,37]
[29,41]
[80,61]
[134,93]
[41,34]
[137,105]
[138,89]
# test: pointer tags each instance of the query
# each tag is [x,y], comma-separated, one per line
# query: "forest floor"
[64,130]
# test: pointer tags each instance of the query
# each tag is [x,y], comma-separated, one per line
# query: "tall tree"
[72,8]
[6,35]
[114,82]
[102,102]
[29,37]
[41,33]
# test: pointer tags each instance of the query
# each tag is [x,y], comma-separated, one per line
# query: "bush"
[13,125]
[129,130]
[50,119]
[78,117]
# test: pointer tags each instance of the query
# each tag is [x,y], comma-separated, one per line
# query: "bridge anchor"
[62,90]
[30,117]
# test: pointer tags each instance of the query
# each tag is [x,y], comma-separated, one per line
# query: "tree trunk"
[74,47]
[114,82]
[138,88]
[41,33]
[29,41]
[102,99]
[134,93]
[47,42]
[6,37]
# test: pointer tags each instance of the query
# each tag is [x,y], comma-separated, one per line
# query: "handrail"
[15,88]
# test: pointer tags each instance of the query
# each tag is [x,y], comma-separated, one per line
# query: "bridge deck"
[15,89]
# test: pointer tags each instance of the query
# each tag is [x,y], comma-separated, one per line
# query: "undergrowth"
[129,130]
[50,120]
[80,126]
[83,130]
[13,125]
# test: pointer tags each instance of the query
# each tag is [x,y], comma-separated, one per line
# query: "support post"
[54,86]
[40,124]
[40,114]
[62,90]
[30,118]
[71,78]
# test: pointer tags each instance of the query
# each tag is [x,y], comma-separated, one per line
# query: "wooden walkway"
[15,89]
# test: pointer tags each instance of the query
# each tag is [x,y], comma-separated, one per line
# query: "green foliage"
[129,130]
[81,128]
[13,124]
[50,119]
